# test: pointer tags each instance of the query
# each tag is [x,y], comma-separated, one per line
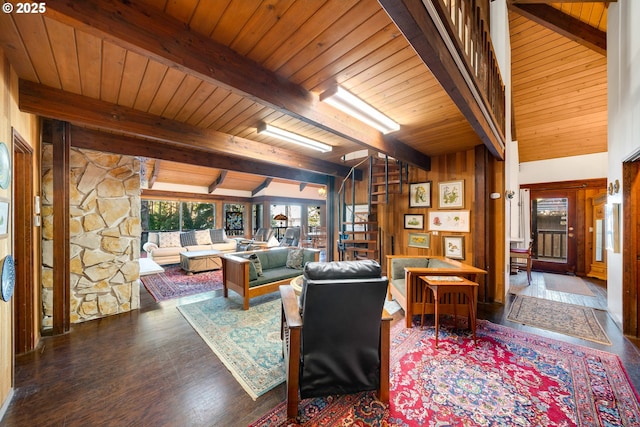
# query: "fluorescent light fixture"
[285,135]
[349,103]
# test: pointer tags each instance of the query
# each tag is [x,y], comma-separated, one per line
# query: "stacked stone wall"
[104,234]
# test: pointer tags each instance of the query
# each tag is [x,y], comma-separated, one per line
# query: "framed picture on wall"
[415,222]
[453,246]
[449,221]
[420,195]
[451,195]
[419,240]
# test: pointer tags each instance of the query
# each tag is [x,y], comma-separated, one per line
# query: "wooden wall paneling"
[482,219]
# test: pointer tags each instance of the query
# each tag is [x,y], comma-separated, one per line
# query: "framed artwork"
[420,195]
[419,240]
[415,222]
[451,195]
[4,218]
[449,221]
[453,246]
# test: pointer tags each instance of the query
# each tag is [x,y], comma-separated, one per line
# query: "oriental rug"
[565,283]
[568,319]
[247,342]
[176,283]
[510,378]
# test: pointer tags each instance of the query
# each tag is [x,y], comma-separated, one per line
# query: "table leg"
[434,289]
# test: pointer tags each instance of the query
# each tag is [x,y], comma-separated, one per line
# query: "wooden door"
[553,229]
[631,251]
[25,296]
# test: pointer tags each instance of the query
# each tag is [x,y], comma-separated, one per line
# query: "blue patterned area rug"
[246,341]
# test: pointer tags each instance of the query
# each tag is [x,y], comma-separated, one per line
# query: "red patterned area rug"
[175,283]
[510,378]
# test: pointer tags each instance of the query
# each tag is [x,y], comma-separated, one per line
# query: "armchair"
[291,237]
[336,335]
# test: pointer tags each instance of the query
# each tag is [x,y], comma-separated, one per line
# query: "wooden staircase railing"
[470,32]
[360,236]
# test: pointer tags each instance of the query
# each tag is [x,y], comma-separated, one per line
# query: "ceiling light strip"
[265,129]
[347,102]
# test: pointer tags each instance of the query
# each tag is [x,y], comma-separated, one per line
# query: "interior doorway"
[25,297]
[553,222]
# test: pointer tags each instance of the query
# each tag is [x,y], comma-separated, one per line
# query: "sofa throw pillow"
[294,258]
[203,237]
[256,263]
[217,235]
[169,239]
[188,238]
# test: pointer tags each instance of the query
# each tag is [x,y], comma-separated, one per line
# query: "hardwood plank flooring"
[150,368]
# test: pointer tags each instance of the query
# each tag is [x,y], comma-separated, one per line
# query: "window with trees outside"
[165,215]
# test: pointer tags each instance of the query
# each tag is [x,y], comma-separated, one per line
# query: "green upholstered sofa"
[239,273]
[406,288]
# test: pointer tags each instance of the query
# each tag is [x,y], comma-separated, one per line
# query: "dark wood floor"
[149,368]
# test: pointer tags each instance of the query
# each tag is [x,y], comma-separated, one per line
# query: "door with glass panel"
[553,222]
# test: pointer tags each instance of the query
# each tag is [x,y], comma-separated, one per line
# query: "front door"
[553,221]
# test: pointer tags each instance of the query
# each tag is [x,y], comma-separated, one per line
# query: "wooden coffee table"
[197,261]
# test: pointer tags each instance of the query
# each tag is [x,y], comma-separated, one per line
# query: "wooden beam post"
[61,253]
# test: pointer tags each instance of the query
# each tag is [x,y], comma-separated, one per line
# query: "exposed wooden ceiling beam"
[154,34]
[262,186]
[77,109]
[131,146]
[565,25]
[413,19]
[215,184]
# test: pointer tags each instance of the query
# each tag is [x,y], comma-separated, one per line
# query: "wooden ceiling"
[559,78]
[203,74]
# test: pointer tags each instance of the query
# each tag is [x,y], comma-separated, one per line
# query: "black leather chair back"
[341,306]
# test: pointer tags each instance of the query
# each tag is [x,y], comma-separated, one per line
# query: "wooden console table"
[197,261]
[440,285]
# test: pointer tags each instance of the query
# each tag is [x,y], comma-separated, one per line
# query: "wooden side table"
[445,285]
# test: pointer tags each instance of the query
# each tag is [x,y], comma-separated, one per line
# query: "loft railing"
[470,33]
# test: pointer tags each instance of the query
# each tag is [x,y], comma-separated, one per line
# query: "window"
[313,216]
[164,215]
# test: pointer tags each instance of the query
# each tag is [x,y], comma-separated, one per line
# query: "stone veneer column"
[105,234]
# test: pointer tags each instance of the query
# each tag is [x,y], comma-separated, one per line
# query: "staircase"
[360,236]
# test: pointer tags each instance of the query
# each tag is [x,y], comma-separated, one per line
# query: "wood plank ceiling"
[559,83]
[166,64]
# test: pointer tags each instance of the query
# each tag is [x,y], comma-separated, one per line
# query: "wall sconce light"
[322,192]
[285,135]
[614,187]
[348,103]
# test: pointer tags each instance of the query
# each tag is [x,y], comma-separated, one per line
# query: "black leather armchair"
[336,334]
